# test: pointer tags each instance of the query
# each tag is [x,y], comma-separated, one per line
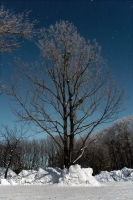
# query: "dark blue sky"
[107,21]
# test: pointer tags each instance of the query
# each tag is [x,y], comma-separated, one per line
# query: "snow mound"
[40,177]
[78,176]
[4,182]
[73,177]
[117,175]
[11,178]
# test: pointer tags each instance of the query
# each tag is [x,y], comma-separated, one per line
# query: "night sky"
[107,21]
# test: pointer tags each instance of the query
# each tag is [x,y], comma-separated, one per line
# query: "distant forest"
[109,149]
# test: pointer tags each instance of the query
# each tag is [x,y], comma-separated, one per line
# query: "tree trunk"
[6,173]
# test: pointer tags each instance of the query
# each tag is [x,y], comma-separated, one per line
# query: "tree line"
[112,149]
[109,149]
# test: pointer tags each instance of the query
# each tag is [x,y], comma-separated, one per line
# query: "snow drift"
[117,175]
[78,176]
[75,176]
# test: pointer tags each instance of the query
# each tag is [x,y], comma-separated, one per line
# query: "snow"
[75,176]
[54,183]
[112,191]
[4,182]
[44,176]
[117,175]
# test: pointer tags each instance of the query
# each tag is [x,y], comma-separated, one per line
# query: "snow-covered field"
[74,184]
[112,191]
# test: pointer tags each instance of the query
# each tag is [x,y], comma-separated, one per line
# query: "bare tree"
[71,93]
[34,154]
[13,26]
[53,152]
[11,149]
[119,139]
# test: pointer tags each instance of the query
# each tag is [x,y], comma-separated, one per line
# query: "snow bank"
[73,177]
[41,177]
[4,182]
[12,176]
[117,175]
[78,176]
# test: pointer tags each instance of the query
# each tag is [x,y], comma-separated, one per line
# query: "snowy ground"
[112,191]
[74,184]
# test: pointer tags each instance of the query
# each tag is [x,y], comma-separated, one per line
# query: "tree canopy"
[12,26]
